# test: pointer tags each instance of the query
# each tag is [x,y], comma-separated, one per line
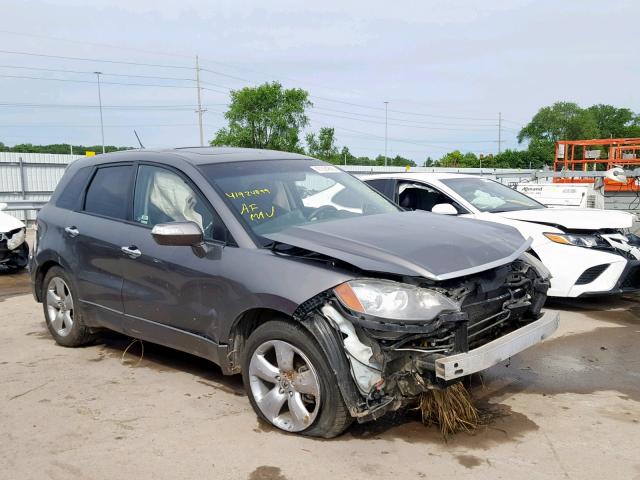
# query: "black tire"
[333,417]
[78,334]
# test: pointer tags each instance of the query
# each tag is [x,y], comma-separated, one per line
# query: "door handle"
[72,231]
[131,251]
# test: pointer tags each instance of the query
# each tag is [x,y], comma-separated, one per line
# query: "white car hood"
[8,223]
[574,218]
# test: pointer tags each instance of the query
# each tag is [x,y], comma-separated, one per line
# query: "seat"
[409,198]
[427,200]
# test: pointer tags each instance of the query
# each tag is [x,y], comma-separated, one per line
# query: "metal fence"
[27,179]
[30,177]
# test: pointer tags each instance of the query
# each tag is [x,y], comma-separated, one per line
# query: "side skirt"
[165,335]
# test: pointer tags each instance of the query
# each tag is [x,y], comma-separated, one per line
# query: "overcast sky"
[445,67]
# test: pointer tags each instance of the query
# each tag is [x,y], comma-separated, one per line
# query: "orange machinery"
[597,155]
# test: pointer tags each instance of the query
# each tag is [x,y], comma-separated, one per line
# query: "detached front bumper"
[498,350]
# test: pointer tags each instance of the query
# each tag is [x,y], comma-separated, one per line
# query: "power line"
[86,72]
[113,107]
[420,122]
[26,77]
[182,67]
[424,127]
[84,59]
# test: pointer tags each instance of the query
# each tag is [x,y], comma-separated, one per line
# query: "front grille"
[632,279]
[590,274]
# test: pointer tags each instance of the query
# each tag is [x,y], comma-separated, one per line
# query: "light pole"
[100,103]
[386,105]
[200,110]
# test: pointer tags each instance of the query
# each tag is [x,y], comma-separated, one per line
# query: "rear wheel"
[61,312]
[289,382]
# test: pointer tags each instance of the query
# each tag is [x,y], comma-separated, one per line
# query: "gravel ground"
[569,408]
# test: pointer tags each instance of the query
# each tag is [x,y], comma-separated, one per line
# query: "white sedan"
[14,251]
[588,251]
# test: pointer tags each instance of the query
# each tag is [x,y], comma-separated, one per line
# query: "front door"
[171,285]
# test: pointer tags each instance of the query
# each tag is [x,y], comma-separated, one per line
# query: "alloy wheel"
[284,385]
[59,306]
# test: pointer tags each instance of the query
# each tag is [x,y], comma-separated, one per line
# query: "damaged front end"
[399,339]
[14,251]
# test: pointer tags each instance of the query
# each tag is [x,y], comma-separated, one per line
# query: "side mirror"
[178,234]
[444,209]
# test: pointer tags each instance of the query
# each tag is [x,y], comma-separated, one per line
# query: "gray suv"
[331,301]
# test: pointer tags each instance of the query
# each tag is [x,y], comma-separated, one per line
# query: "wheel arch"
[40,273]
[243,326]
[318,327]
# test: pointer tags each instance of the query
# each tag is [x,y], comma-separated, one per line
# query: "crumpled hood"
[8,223]
[417,243]
[574,218]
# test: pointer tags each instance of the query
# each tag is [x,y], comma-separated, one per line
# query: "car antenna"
[136,134]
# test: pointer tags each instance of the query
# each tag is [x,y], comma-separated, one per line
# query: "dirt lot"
[571,409]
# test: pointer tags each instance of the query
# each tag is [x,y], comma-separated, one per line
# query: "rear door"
[95,235]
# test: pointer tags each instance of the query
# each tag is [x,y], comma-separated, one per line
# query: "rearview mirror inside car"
[444,209]
[178,234]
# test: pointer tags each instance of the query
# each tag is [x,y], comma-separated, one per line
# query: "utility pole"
[386,105]
[100,103]
[499,132]
[200,110]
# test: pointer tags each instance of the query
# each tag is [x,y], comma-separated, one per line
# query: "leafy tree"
[323,146]
[266,116]
[561,121]
[615,122]
[60,148]
[459,160]
[429,162]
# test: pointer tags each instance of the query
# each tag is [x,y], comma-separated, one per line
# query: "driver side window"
[420,196]
[162,196]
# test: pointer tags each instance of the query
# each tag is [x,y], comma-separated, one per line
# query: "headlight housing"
[577,239]
[16,238]
[393,300]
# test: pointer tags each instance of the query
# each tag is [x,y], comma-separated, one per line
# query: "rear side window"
[108,192]
[72,191]
[384,186]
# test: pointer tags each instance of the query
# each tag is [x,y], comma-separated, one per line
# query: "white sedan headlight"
[577,239]
[393,300]
[16,239]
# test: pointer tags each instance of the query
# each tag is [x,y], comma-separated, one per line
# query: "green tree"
[459,160]
[323,146]
[430,162]
[396,161]
[561,121]
[266,116]
[61,148]
[613,122]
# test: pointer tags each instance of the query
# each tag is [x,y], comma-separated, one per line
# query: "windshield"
[272,195]
[490,196]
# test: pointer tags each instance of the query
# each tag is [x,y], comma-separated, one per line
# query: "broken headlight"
[577,239]
[15,238]
[393,300]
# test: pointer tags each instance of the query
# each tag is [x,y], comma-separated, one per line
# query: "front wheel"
[290,383]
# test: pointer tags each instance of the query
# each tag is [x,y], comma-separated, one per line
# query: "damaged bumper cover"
[13,248]
[463,364]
